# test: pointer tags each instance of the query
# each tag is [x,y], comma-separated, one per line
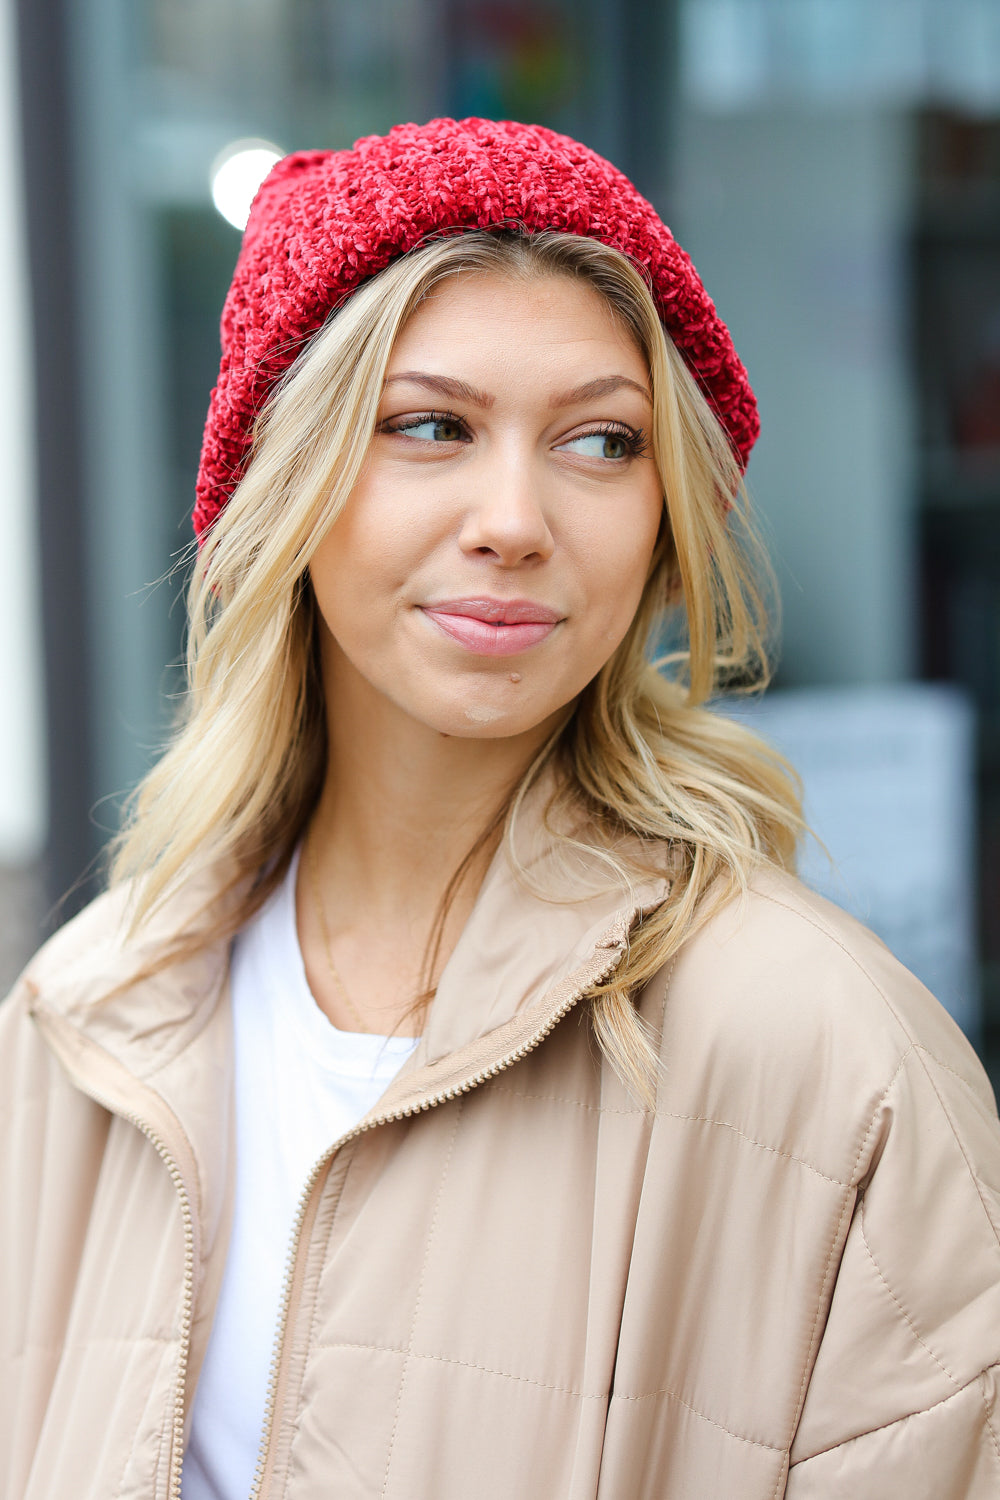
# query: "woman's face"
[494,551]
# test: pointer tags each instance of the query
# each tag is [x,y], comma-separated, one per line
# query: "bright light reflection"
[237,173]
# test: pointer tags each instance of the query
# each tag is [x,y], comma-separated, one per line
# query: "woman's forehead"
[492,318]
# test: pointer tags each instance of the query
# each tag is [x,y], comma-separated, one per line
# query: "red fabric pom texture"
[325,221]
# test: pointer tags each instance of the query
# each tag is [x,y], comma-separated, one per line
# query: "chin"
[483,721]
[486,717]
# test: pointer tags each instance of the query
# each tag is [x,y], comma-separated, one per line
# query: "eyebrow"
[460,390]
[443,385]
[604,385]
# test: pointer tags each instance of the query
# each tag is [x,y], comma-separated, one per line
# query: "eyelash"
[634,438]
[403,424]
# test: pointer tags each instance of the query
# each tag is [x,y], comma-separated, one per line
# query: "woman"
[453,949]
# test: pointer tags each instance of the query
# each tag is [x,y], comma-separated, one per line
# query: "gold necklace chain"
[321,914]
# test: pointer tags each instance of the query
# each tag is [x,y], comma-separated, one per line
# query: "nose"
[505,519]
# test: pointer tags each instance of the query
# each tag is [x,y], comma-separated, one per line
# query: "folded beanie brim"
[323,222]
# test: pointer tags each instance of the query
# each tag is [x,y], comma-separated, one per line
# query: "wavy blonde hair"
[647,764]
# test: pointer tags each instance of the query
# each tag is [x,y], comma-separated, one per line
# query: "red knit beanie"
[325,221]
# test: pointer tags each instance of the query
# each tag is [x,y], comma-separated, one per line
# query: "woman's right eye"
[431,428]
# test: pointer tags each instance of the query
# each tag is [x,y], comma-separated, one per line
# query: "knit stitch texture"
[325,221]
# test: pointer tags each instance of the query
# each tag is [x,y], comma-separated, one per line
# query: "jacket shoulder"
[92,941]
[845,1124]
[99,951]
[788,1013]
[36,1093]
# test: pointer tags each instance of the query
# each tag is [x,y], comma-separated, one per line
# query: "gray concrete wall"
[797,220]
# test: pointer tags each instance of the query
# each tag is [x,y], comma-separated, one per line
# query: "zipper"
[187,1300]
[429,1101]
[187,1308]
[50,1027]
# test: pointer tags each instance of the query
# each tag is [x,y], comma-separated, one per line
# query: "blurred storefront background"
[833,166]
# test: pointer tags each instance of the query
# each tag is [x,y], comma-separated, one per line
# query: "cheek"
[358,568]
[345,598]
[618,566]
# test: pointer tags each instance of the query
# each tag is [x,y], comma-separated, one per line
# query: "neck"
[402,806]
[402,810]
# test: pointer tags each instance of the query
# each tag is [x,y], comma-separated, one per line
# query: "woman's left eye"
[430,429]
[608,445]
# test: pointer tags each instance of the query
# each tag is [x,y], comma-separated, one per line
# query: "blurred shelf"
[948,480]
[960,215]
[955,290]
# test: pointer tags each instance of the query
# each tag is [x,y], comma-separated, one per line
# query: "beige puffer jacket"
[512,1283]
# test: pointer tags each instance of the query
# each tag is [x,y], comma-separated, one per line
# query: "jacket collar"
[545,908]
[160,1043]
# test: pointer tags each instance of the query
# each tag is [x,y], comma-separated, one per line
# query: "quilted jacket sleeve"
[902,1399]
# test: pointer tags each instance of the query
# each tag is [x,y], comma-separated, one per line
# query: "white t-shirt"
[300,1084]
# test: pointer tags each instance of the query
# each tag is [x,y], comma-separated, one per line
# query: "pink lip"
[494,627]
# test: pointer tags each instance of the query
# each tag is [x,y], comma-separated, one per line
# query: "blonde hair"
[649,766]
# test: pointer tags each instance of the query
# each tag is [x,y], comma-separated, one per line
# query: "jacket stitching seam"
[911,1325]
[986,1213]
[350,1156]
[854,1179]
[545,1385]
[419,1297]
[667,981]
[597,1109]
[119,1488]
[848,953]
[739,1437]
[295,1421]
[947,1068]
[158,1466]
[988,1419]
[908,1416]
[92,1340]
[752,1141]
[959,1143]
[465,1364]
[807,1365]
[845,1213]
[665,1114]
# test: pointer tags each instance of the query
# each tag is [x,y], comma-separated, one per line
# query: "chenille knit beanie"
[323,222]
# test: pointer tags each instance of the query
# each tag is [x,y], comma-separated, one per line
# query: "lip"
[493,627]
